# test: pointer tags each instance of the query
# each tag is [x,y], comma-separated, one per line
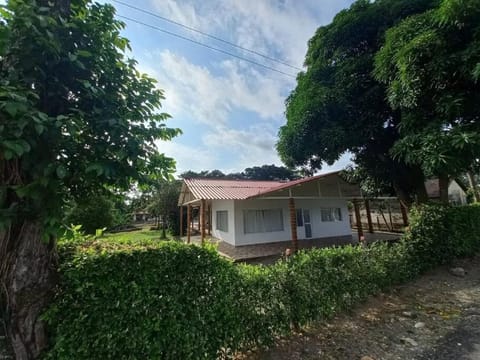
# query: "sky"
[229,110]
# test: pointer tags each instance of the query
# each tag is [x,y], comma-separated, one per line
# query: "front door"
[303,221]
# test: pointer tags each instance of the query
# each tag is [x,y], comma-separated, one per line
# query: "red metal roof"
[212,189]
[228,189]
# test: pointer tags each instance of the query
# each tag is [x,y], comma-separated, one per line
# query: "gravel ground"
[435,317]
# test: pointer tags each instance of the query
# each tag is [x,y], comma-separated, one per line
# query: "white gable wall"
[222,205]
[319,229]
[456,194]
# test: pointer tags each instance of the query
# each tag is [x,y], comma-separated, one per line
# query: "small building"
[242,212]
[457,194]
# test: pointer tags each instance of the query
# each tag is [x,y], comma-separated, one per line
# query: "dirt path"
[435,317]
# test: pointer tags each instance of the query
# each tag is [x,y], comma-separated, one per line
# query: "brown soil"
[435,317]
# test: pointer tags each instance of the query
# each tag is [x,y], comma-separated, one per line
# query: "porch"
[270,252]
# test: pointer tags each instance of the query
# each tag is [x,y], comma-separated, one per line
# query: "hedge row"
[172,301]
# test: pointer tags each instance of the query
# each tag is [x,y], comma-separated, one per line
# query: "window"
[299,217]
[222,220]
[258,221]
[331,214]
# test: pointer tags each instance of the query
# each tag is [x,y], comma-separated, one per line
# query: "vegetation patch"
[143,298]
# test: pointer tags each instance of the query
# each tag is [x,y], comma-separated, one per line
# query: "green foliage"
[264,172]
[75,113]
[92,213]
[164,205]
[140,298]
[338,105]
[429,64]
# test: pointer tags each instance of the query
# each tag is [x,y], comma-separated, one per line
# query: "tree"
[338,105]
[164,205]
[430,65]
[264,172]
[92,213]
[204,174]
[75,116]
[269,172]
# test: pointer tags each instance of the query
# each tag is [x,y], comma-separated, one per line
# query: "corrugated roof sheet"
[212,189]
[227,189]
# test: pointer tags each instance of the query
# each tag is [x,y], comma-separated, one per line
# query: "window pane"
[331,214]
[222,220]
[326,215]
[306,215]
[258,221]
[299,217]
[308,230]
[338,214]
[273,220]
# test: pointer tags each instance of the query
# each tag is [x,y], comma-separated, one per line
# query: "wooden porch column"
[358,219]
[181,220]
[199,215]
[209,219]
[293,223]
[404,211]
[369,216]
[189,225]
[202,220]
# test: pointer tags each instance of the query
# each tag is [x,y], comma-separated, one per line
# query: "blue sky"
[229,110]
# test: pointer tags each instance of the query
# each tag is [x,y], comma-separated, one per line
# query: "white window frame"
[261,226]
[217,222]
[334,214]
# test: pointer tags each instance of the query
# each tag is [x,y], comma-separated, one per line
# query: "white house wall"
[456,193]
[319,229]
[224,205]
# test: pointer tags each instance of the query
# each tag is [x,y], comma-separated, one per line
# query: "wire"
[206,34]
[205,45]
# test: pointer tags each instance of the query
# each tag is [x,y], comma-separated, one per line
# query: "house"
[242,212]
[456,192]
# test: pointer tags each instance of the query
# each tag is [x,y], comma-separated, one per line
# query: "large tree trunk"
[28,277]
[443,188]
[409,185]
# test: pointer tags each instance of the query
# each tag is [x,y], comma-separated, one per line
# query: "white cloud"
[188,157]
[194,91]
[210,99]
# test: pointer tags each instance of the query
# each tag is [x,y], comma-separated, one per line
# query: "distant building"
[456,192]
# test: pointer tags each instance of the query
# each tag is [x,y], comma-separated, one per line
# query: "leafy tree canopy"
[431,67]
[339,106]
[76,119]
[75,113]
[264,172]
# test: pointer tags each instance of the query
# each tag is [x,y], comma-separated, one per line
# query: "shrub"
[92,213]
[157,301]
[136,300]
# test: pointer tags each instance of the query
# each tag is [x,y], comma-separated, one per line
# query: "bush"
[135,300]
[92,213]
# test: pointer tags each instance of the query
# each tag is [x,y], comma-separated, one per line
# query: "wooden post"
[209,228]
[181,220]
[358,220]
[199,214]
[189,225]
[403,209]
[202,220]
[369,216]
[293,223]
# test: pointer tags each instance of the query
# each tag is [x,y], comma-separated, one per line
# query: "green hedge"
[173,301]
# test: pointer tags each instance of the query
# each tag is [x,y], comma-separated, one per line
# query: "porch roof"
[212,189]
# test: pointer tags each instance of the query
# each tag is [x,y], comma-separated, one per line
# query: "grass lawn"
[131,237]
